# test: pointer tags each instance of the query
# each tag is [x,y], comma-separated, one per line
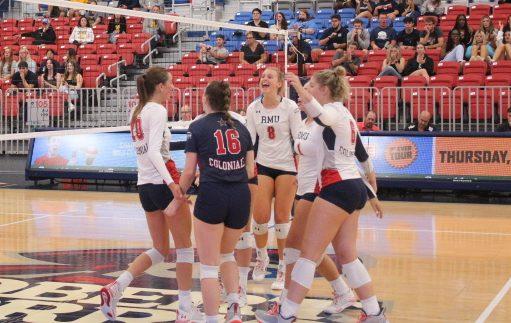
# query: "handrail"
[148,41]
[150,56]
[118,78]
[109,69]
[99,78]
[178,35]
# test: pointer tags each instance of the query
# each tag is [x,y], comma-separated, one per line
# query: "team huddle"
[316,167]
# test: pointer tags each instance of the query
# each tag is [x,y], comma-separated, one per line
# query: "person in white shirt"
[274,121]
[82,33]
[157,187]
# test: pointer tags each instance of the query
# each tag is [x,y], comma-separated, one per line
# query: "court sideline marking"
[26,220]
[495,301]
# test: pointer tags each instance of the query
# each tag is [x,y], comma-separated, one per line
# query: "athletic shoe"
[272,316]
[110,295]
[243,296]
[341,302]
[233,314]
[193,315]
[278,284]
[379,318]
[71,107]
[260,269]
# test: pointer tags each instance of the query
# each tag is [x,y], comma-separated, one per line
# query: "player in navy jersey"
[157,188]
[222,148]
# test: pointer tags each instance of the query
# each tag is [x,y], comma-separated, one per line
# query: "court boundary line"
[26,220]
[495,301]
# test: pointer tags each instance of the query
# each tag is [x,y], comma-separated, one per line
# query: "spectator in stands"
[128,4]
[7,64]
[185,113]
[505,126]
[432,8]
[479,50]
[420,65]
[432,36]
[464,29]
[490,32]
[116,27]
[409,37]
[252,52]
[43,35]
[340,4]
[503,47]
[300,51]
[70,57]
[383,36]
[95,18]
[24,78]
[423,123]
[304,24]
[149,4]
[24,56]
[214,54]
[454,51]
[507,26]
[52,12]
[257,22]
[388,7]
[408,9]
[50,55]
[82,33]
[154,27]
[72,13]
[364,9]
[347,59]
[50,78]
[394,64]
[368,123]
[70,83]
[280,24]
[359,35]
[334,37]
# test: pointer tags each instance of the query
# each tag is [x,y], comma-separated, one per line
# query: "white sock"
[244,271]
[185,300]
[288,308]
[125,279]
[211,319]
[262,253]
[283,296]
[339,286]
[232,298]
[371,306]
[282,265]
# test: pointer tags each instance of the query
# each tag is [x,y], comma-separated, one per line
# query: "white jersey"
[309,146]
[151,139]
[275,130]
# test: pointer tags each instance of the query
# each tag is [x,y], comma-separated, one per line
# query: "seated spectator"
[50,55]
[503,51]
[128,4]
[299,51]
[70,57]
[464,29]
[50,78]
[388,7]
[52,12]
[454,51]
[147,5]
[252,52]
[364,9]
[505,126]
[340,4]
[420,65]
[43,35]
[409,9]
[432,8]
[347,59]
[335,36]
[257,22]
[154,27]
[383,36]
[422,124]
[394,64]
[507,26]
[480,50]
[7,64]
[74,13]
[24,56]
[304,24]
[359,35]
[490,32]
[24,78]
[95,18]
[82,33]
[116,27]
[280,24]
[214,54]
[368,123]
[409,37]
[69,83]
[431,36]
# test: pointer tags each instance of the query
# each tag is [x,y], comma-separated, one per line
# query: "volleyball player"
[157,189]
[222,147]
[273,121]
[335,211]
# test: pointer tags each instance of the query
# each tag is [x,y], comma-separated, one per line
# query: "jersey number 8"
[271,132]
[233,143]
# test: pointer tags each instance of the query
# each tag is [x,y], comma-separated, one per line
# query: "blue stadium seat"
[346,10]
[271,46]
[288,14]
[398,26]
[243,16]
[226,33]
[322,23]
[314,43]
[267,15]
[324,13]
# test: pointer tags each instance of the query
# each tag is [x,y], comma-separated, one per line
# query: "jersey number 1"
[233,143]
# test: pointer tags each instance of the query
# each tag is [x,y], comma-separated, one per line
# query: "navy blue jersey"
[221,150]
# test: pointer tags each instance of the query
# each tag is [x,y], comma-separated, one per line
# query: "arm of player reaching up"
[158,122]
[295,120]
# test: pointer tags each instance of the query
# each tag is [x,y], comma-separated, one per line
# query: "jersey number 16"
[233,143]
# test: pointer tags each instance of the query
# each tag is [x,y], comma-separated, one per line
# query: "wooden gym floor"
[430,262]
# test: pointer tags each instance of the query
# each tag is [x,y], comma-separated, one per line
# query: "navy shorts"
[271,172]
[349,195]
[307,197]
[154,197]
[253,180]
[227,203]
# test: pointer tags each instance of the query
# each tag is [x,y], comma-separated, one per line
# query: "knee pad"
[185,255]
[245,241]
[291,255]
[281,230]
[260,229]
[227,257]
[155,255]
[207,271]
[356,274]
[303,272]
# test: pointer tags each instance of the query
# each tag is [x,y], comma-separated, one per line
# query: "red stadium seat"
[369,68]
[434,54]
[327,56]
[359,101]
[451,68]
[501,67]
[419,99]
[456,10]
[502,9]
[11,105]
[252,82]
[107,62]
[87,49]
[44,48]
[60,21]
[201,81]
[62,49]
[221,70]
[471,80]
[134,29]
[62,40]
[89,60]
[140,43]
[104,49]
[123,38]
[26,23]
[245,70]
[190,58]
[90,73]
[63,31]
[233,58]
[24,41]
[177,70]
[182,83]
[475,67]
[312,68]
[443,80]
[385,81]
[278,57]
[413,81]
[235,81]
[9,41]
[133,21]
[480,9]
[57,103]
[126,51]
[99,29]
[376,55]
[498,80]
[100,39]
[200,70]
[360,81]
[8,23]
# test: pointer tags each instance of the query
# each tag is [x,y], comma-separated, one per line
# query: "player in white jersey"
[274,121]
[336,210]
[157,188]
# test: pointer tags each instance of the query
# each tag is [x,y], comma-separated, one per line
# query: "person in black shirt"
[116,26]
[257,22]
[423,123]
[300,50]
[505,126]
[335,36]
[388,7]
[409,37]
[252,52]
[421,64]
[43,35]
[464,29]
[128,4]
[24,78]
[222,149]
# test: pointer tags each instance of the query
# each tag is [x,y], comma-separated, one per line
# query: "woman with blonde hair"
[7,64]
[480,49]
[394,64]
[24,56]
